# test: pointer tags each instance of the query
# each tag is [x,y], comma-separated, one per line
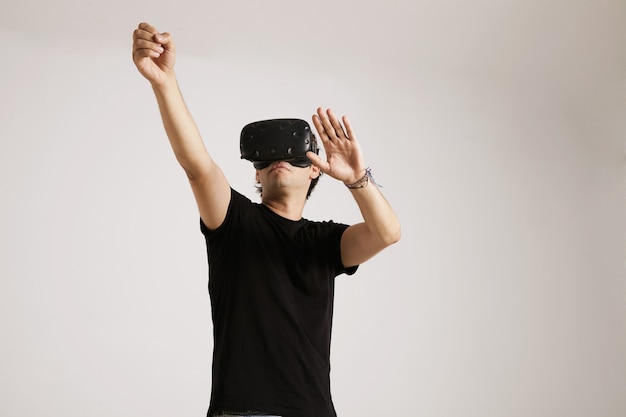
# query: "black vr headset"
[266,141]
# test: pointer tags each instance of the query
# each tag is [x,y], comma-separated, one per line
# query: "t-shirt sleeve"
[234,207]
[336,232]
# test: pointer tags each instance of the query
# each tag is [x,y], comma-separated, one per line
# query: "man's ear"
[257,177]
[315,172]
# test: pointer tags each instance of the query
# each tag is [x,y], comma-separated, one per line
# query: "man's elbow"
[392,235]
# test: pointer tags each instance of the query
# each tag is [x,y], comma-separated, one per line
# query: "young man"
[271,271]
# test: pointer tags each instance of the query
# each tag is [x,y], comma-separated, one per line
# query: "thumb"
[317,161]
[165,39]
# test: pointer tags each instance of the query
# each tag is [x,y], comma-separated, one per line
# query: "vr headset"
[266,141]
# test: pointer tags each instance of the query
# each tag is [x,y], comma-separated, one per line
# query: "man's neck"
[289,208]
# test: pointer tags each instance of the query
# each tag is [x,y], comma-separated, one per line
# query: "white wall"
[496,129]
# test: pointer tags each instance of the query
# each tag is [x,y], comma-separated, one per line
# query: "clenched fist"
[154,54]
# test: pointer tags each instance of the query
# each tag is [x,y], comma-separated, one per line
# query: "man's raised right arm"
[154,55]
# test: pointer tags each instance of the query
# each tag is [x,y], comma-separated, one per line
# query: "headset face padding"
[271,140]
[301,162]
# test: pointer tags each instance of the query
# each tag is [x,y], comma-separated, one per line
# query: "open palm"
[344,159]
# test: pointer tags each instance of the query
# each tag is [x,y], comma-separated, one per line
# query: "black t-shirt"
[271,284]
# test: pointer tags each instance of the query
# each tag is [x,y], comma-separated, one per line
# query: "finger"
[144,31]
[318,161]
[149,32]
[332,125]
[139,35]
[327,126]
[149,45]
[348,126]
[147,28]
[319,126]
[145,48]
[144,44]
[334,122]
[165,39]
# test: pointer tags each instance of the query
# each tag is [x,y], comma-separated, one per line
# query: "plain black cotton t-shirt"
[271,285]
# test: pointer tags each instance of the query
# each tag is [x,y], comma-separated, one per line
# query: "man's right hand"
[154,54]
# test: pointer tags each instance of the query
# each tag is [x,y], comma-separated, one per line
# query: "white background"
[495,127]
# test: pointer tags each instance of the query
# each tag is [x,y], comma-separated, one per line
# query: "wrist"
[167,82]
[356,179]
[363,181]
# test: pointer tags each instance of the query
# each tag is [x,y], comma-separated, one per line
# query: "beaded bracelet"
[363,181]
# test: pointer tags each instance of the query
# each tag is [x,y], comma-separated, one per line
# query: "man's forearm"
[181,129]
[378,215]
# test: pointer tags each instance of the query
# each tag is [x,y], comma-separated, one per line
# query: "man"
[271,271]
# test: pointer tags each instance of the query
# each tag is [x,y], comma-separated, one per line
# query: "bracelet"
[363,181]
